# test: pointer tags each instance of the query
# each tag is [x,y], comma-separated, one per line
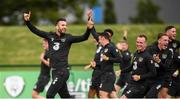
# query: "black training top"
[125,59]
[174,44]
[59,46]
[110,51]
[166,56]
[143,65]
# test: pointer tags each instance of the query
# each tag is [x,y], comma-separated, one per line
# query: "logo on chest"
[63,40]
[174,45]
[140,59]
[164,56]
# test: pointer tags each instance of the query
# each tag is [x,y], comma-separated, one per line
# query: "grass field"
[19,46]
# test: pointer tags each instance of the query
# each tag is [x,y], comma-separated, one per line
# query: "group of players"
[151,72]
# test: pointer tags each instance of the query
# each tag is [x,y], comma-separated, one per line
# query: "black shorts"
[134,91]
[107,82]
[96,79]
[174,89]
[122,80]
[154,89]
[41,83]
[58,84]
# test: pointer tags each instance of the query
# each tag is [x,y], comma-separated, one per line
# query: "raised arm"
[151,67]
[93,30]
[90,23]
[32,28]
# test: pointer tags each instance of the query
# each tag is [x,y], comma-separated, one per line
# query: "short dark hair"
[161,34]
[169,27]
[60,19]
[105,35]
[109,31]
[142,36]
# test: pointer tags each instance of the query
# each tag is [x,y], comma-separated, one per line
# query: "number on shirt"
[56,46]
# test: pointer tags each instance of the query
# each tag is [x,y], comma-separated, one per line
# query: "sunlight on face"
[61,26]
[140,43]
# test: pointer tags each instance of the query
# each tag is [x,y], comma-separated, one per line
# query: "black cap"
[105,35]
[109,31]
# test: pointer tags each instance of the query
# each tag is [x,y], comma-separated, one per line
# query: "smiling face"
[140,44]
[61,26]
[171,33]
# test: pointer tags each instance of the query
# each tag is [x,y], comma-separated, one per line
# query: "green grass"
[19,46]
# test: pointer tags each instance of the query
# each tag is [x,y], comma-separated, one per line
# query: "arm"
[125,35]
[115,57]
[168,61]
[127,69]
[33,28]
[95,34]
[76,39]
[152,70]
[126,57]
[93,30]
[44,60]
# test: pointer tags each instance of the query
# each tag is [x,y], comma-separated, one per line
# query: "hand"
[104,57]
[90,23]
[118,72]
[27,16]
[156,58]
[136,77]
[89,14]
[125,35]
[93,63]
[176,73]
[119,46]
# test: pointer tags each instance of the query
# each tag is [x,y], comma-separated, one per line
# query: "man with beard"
[59,46]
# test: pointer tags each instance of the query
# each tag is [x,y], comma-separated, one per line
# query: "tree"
[147,13]
[109,14]
[11,11]
[45,10]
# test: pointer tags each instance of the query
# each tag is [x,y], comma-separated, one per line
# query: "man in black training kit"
[125,63]
[96,75]
[142,69]
[163,57]
[108,56]
[59,46]
[174,89]
[44,76]
[125,55]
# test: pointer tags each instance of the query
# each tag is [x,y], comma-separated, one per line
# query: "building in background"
[168,10]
